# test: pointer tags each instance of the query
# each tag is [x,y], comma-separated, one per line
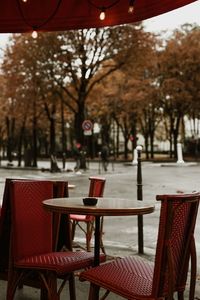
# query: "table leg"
[140,235]
[97,241]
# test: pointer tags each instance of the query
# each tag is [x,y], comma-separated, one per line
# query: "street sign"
[87,125]
[87,132]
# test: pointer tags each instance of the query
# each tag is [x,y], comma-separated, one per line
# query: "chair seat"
[60,262]
[83,218]
[128,277]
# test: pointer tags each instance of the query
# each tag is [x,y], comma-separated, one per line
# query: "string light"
[45,21]
[102,14]
[131,7]
[34,34]
[103,10]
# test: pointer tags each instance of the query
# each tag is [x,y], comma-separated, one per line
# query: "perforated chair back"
[96,188]
[31,225]
[175,242]
[60,189]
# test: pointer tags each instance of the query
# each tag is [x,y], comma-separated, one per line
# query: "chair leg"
[73,230]
[49,286]
[12,285]
[89,232]
[94,292]
[72,290]
[193,270]
[52,287]
[101,236]
[180,295]
[43,294]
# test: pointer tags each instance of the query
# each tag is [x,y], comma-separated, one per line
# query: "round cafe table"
[104,207]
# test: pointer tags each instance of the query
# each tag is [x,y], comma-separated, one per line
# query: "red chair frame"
[96,189]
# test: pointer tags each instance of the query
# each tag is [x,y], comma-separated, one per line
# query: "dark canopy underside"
[55,15]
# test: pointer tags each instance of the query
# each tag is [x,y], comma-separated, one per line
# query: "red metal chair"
[61,233]
[134,278]
[31,253]
[5,233]
[60,189]
[96,189]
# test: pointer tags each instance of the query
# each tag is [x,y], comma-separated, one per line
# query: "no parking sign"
[87,125]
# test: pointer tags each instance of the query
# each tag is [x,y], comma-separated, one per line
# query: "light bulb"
[102,14]
[34,34]
[24,1]
[131,7]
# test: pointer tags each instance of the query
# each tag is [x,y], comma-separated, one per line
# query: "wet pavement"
[120,238]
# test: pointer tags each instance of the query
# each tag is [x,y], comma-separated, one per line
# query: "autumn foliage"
[128,81]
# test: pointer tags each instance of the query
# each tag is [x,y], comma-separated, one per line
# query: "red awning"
[54,15]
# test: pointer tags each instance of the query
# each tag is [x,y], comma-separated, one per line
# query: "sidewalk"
[120,238]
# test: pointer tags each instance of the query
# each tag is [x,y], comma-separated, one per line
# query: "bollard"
[140,198]
[135,157]
[180,154]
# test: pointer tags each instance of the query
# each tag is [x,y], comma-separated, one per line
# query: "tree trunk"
[126,139]
[134,133]
[175,135]
[10,125]
[34,128]
[117,146]
[63,133]
[105,133]
[152,143]
[151,133]
[146,142]
[171,136]
[170,146]
[21,136]
[52,137]
[78,121]
[53,159]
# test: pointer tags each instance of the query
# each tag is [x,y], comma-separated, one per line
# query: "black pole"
[97,241]
[99,162]
[140,198]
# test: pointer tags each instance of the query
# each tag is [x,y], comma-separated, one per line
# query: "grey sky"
[174,19]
